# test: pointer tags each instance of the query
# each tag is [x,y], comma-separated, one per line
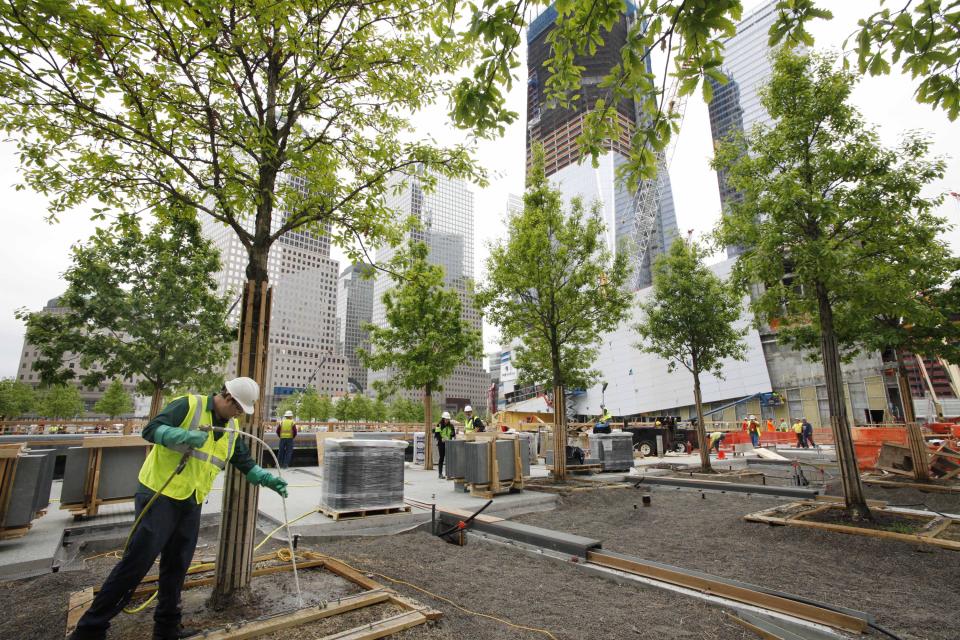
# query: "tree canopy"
[115,401]
[60,401]
[16,398]
[425,337]
[139,305]
[554,285]
[689,320]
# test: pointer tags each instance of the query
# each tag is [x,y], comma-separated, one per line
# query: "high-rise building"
[735,106]
[354,310]
[90,395]
[303,324]
[445,217]
[557,129]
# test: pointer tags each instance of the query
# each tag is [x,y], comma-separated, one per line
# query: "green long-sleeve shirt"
[173,414]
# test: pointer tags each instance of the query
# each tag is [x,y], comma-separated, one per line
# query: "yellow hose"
[289,522]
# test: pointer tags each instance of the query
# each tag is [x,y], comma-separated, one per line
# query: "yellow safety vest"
[204,463]
[468,426]
[286,428]
[797,427]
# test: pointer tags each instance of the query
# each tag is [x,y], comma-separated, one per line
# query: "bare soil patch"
[911,589]
[496,580]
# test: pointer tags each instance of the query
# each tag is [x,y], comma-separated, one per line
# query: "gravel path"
[907,587]
[485,577]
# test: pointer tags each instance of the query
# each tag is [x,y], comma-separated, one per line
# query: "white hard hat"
[245,391]
[445,415]
[288,414]
[753,417]
[468,409]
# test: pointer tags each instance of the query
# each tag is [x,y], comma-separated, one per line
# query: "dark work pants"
[286,452]
[441,450]
[801,442]
[169,529]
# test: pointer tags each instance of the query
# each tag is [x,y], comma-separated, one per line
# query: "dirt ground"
[907,587]
[487,578]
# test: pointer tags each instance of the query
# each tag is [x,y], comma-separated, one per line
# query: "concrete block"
[23,496]
[119,470]
[74,475]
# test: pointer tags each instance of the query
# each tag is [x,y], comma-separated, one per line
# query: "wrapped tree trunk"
[427,429]
[559,435]
[239,512]
[906,397]
[701,426]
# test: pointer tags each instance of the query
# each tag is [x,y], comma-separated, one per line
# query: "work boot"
[169,632]
[79,634]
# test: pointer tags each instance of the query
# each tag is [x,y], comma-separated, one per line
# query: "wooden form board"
[769,601]
[414,613]
[936,525]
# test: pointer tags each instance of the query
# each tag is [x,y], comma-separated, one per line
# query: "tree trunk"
[155,401]
[238,524]
[427,429]
[906,396]
[559,435]
[701,426]
[846,458]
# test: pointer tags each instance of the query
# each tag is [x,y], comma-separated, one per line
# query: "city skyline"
[32,276]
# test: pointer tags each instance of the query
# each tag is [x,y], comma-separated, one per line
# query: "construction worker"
[753,428]
[442,432]
[783,426]
[286,431]
[603,424]
[472,423]
[798,430]
[807,430]
[179,472]
[716,438]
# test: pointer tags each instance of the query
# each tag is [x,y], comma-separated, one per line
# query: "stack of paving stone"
[30,477]
[362,474]
[614,450]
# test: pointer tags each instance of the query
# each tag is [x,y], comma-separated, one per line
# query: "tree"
[689,320]
[425,336]
[139,305]
[60,401]
[290,403]
[824,208]
[404,410]
[16,398]
[115,401]
[237,110]
[341,409]
[361,408]
[323,409]
[554,285]
[378,411]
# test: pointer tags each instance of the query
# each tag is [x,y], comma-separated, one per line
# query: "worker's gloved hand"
[263,478]
[175,437]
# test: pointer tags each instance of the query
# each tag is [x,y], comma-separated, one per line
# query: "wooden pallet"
[413,612]
[338,514]
[91,502]
[795,514]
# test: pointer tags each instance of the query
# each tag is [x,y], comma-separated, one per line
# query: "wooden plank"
[297,618]
[381,629]
[11,450]
[841,500]
[732,592]
[337,514]
[937,526]
[106,442]
[765,517]
[462,514]
[346,571]
[77,605]
[412,605]
[927,486]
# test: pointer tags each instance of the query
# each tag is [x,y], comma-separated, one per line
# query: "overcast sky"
[37,253]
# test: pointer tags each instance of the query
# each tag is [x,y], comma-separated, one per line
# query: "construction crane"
[646,200]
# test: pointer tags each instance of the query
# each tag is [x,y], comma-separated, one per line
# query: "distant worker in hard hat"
[716,438]
[753,428]
[603,424]
[287,432]
[472,423]
[443,432]
[183,434]
[798,430]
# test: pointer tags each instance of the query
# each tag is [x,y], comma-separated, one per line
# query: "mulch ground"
[912,590]
[487,578]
